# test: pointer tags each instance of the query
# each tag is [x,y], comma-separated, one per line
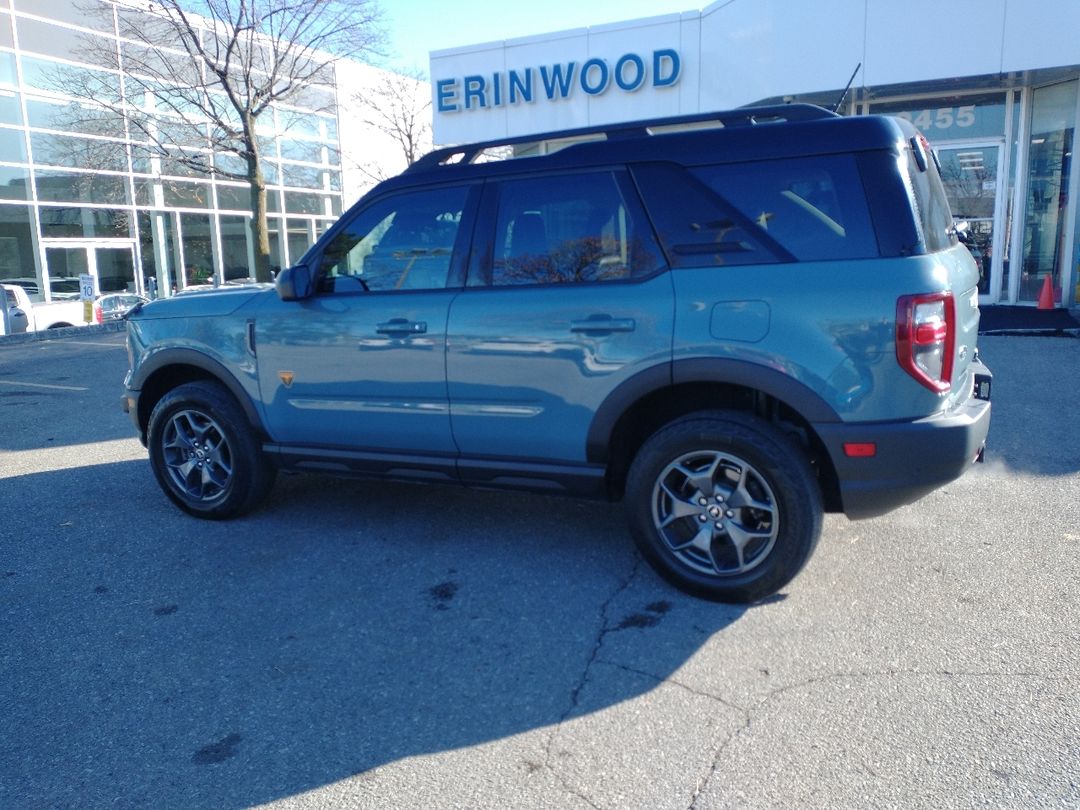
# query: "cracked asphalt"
[368,645]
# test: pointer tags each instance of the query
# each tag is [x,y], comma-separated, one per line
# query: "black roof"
[747,133]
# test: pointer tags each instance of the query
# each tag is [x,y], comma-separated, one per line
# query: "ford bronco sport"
[733,328]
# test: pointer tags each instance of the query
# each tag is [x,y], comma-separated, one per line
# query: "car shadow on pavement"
[151,659]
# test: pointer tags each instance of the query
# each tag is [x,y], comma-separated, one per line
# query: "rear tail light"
[926,338]
[98,315]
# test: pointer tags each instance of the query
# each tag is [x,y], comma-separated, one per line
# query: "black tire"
[724,505]
[204,453]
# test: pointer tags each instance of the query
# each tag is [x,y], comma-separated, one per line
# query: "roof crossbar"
[743,116]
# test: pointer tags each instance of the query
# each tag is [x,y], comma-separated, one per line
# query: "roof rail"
[743,116]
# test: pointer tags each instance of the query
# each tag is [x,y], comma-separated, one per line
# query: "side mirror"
[294,283]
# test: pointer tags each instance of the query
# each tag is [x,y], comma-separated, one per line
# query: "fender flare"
[190,357]
[792,392]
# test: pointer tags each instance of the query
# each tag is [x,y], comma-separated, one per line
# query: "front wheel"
[724,505]
[204,453]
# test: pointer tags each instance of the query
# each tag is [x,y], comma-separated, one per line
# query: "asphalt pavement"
[372,645]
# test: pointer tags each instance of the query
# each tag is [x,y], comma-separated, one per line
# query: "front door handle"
[603,325]
[401,326]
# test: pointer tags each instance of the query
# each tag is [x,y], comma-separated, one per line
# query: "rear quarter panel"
[831,326]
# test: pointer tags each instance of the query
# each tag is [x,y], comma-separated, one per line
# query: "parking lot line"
[19,384]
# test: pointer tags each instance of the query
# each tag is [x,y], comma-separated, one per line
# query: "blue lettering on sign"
[630,85]
[596,76]
[669,58]
[519,88]
[594,67]
[474,89]
[446,95]
[558,80]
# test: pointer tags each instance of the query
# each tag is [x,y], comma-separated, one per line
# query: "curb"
[64,332]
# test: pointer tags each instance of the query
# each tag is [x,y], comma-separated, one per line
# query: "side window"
[405,242]
[569,229]
[815,208]
[803,209]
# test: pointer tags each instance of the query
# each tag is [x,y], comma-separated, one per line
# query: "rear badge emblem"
[286,378]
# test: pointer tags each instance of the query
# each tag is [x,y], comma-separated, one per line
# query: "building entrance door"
[112,267]
[974,184]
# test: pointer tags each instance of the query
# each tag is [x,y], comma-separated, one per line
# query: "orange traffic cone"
[1046,294]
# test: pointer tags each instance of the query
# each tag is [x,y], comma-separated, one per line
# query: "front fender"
[168,367]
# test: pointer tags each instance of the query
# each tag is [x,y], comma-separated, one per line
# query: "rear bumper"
[912,458]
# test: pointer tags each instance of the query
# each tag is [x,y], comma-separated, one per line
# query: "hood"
[201,303]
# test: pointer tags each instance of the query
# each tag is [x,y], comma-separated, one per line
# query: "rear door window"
[815,208]
[805,209]
[576,228]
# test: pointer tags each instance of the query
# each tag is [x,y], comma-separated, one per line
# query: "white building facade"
[994,85]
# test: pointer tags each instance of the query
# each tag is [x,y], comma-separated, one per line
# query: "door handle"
[603,324]
[401,326]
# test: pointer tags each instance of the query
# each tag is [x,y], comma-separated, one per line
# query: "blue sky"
[416,27]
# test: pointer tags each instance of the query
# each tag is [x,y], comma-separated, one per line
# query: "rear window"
[803,209]
[932,213]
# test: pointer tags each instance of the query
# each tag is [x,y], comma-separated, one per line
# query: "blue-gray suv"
[732,327]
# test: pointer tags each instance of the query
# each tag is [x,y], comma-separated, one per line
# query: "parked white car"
[25,316]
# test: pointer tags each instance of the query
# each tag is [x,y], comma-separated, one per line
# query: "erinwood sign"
[553,83]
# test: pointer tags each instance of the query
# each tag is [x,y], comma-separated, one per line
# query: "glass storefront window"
[12,145]
[198,255]
[79,223]
[234,246]
[1053,118]
[64,266]
[14,183]
[301,176]
[8,75]
[186,195]
[45,38]
[6,38]
[81,187]
[274,227]
[115,269]
[44,74]
[10,110]
[297,202]
[92,154]
[298,238]
[17,247]
[307,151]
[71,117]
[76,13]
[233,198]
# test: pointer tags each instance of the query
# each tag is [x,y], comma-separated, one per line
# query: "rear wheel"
[724,505]
[204,453]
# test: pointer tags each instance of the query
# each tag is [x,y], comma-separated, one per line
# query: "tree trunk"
[260,231]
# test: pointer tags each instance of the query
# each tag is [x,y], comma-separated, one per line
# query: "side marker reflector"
[860,449]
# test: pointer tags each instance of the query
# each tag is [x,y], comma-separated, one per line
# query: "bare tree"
[199,75]
[398,105]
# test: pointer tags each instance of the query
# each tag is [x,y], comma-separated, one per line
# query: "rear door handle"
[401,326]
[603,324]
